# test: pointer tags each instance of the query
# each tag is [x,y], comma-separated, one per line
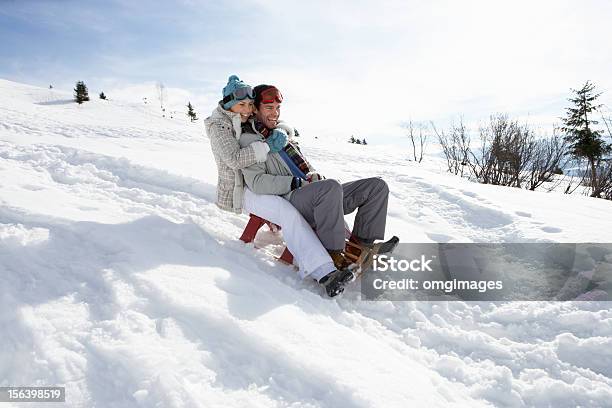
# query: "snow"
[121,280]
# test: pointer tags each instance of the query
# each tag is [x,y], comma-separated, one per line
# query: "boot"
[378,247]
[334,282]
[340,260]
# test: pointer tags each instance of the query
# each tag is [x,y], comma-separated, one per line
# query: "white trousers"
[308,252]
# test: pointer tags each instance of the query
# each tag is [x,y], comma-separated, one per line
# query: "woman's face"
[244,108]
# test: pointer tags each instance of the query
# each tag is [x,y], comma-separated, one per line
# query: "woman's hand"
[261,151]
[277,140]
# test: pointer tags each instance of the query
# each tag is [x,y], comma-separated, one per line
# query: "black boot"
[334,282]
[379,247]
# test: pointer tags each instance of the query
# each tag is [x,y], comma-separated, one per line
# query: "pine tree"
[357,141]
[102,96]
[80,92]
[191,113]
[352,139]
[584,141]
[364,142]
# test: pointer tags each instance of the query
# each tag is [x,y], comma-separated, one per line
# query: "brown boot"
[367,243]
[341,262]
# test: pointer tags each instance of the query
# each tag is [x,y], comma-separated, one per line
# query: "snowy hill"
[121,280]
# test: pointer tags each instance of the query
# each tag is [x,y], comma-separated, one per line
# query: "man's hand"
[298,182]
[277,140]
[314,176]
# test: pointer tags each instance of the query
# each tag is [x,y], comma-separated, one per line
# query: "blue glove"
[277,140]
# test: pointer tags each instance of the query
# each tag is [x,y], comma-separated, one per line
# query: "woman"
[224,127]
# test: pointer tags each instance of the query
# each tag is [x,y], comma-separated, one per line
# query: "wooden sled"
[357,254]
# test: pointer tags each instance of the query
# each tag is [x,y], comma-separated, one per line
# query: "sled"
[250,231]
[361,257]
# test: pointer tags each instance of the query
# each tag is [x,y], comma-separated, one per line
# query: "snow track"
[122,280]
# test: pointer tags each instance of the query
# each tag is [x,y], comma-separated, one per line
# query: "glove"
[314,176]
[277,140]
[298,182]
[261,150]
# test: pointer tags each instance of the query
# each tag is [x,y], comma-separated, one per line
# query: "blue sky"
[345,67]
[46,41]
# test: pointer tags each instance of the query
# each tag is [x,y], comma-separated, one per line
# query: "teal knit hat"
[229,92]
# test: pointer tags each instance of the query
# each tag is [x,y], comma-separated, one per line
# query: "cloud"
[345,67]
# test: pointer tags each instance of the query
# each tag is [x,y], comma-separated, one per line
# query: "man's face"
[268,114]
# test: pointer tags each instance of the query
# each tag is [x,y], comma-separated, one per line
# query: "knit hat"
[269,91]
[233,83]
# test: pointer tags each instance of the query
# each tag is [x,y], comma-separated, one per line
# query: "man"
[322,202]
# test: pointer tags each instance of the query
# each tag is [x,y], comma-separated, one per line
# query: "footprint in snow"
[439,237]
[469,193]
[523,214]
[551,230]
[32,187]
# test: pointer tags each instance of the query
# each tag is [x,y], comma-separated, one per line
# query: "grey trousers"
[324,203]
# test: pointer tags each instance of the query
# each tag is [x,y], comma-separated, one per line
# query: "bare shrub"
[507,148]
[509,154]
[549,156]
[605,180]
[419,142]
[455,146]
